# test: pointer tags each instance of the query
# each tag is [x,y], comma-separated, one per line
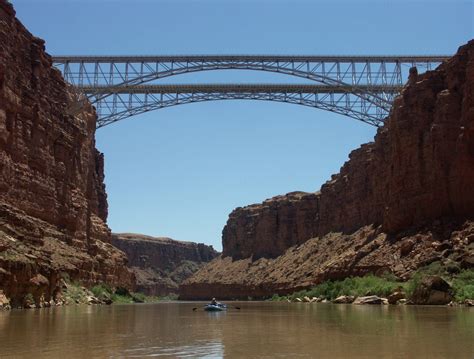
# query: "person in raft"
[214,302]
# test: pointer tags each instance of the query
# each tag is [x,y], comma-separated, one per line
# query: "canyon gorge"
[400,202]
[329,162]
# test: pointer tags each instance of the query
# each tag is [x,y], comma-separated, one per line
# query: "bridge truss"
[125,101]
[361,87]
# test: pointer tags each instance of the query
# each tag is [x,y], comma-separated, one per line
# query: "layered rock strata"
[161,264]
[53,205]
[418,172]
[268,229]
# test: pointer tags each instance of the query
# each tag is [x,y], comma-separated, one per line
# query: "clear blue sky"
[180,171]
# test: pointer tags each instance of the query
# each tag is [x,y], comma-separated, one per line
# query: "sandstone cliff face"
[161,264]
[420,167]
[53,204]
[268,229]
[418,170]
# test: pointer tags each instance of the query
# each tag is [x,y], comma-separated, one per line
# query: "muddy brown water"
[257,330]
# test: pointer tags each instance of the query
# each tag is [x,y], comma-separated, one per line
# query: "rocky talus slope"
[161,264]
[53,205]
[400,202]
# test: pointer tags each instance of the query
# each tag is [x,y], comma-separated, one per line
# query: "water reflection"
[258,330]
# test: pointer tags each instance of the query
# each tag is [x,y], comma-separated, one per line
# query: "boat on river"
[215,307]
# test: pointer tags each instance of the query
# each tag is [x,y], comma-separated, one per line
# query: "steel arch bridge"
[361,87]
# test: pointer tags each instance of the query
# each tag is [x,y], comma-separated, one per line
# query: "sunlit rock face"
[268,229]
[53,205]
[417,175]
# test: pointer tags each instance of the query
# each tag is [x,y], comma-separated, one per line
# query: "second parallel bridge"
[114,103]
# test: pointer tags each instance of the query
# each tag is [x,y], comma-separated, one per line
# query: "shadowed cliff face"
[161,264]
[53,204]
[418,173]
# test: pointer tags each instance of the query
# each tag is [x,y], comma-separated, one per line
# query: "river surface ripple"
[257,330]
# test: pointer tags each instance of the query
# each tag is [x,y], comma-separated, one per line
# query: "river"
[257,330]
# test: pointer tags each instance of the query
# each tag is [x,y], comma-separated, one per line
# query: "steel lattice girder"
[368,75]
[126,101]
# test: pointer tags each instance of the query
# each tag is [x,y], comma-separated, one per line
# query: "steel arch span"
[128,101]
[371,78]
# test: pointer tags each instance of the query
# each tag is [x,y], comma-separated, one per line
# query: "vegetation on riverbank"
[461,281]
[74,293]
[122,295]
[356,286]
[104,294]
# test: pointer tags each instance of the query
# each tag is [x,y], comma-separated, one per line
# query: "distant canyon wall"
[53,204]
[161,264]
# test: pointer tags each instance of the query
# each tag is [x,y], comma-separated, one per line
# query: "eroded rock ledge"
[412,186]
[53,205]
[160,264]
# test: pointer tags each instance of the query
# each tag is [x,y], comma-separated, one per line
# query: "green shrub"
[102,291]
[75,293]
[466,275]
[463,285]
[412,284]
[139,297]
[435,268]
[122,291]
[277,298]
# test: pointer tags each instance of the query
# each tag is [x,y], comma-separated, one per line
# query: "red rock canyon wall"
[419,167]
[53,204]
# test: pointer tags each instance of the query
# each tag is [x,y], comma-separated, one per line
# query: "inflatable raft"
[215,307]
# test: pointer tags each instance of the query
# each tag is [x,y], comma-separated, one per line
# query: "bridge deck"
[251,58]
[236,88]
